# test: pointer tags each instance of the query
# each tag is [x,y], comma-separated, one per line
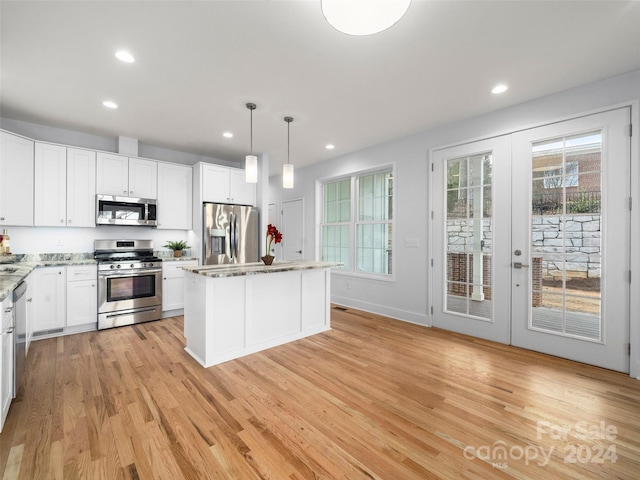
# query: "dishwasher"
[20,334]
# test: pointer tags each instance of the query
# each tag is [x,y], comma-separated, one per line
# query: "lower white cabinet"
[173,284]
[63,297]
[82,295]
[49,286]
[6,360]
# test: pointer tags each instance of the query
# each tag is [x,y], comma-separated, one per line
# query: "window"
[357,223]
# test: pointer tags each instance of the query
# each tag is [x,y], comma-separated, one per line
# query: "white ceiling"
[199,62]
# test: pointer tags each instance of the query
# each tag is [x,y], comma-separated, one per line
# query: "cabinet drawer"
[82,272]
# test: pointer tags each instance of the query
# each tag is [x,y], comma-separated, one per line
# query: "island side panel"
[316,290]
[275,306]
[195,313]
[228,317]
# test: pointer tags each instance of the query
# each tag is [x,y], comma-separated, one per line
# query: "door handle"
[519,265]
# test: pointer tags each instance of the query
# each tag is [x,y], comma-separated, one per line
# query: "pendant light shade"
[287,175]
[287,168]
[251,161]
[359,17]
[251,169]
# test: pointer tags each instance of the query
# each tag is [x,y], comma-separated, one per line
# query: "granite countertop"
[11,274]
[235,270]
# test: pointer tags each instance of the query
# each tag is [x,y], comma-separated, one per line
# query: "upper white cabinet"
[175,196]
[50,185]
[81,188]
[64,186]
[126,177]
[16,180]
[226,185]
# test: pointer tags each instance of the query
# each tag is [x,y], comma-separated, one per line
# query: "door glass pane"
[566,236]
[469,232]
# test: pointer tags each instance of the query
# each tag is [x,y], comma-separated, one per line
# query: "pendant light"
[287,168]
[358,17]
[251,161]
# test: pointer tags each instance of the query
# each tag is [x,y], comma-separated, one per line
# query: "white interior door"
[471,188]
[571,239]
[292,230]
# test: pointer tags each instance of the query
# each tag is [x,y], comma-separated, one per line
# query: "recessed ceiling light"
[110,104]
[330,147]
[499,88]
[227,135]
[125,56]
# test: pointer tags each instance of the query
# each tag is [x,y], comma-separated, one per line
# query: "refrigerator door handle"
[235,227]
[231,237]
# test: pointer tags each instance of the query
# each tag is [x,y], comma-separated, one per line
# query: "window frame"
[354,221]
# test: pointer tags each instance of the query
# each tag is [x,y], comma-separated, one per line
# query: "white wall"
[80,240]
[406,298]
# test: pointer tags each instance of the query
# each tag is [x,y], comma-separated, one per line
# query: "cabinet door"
[16,180]
[241,192]
[143,178]
[6,374]
[215,184]
[112,174]
[82,302]
[81,188]
[173,284]
[175,200]
[50,185]
[48,298]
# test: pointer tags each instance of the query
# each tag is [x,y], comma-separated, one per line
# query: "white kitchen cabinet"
[226,185]
[49,298]
[16,180]
[81,188]
[82,295]
[175,196]
[50,199]
[65,190]
[6,359]
[126,177]
[143,178]
[173,284]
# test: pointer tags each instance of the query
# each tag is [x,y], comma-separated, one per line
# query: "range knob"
[112,267]
[118,266]
[131,266]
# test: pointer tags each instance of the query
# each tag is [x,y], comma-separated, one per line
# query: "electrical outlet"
[58,242]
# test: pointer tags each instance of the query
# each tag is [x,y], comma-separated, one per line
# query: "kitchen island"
[234,310]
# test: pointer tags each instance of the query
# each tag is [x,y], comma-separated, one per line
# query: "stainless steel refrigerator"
[230,234]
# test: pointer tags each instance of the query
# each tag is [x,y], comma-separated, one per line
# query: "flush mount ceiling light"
[227,135]
[110,104]
[363,17]
[287,168]
[251,161]
[499,88]
[125,56]
[330,146]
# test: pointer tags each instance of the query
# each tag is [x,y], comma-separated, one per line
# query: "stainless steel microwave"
[112,210]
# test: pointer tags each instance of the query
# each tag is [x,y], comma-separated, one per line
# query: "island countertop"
[235,270]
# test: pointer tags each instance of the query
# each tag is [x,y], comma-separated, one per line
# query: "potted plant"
[177,246]
[273,235]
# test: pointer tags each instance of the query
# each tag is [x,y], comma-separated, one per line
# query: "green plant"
[177,245]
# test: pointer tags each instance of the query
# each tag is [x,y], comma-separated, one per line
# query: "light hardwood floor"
[373,398]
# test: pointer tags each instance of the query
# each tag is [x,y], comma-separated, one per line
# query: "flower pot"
[267,259]
[177,253]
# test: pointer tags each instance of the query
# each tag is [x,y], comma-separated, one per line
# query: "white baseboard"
[395,313]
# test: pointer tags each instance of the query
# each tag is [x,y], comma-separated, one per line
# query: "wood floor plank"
[373,398]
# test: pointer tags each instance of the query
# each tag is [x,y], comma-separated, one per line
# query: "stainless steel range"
[129,282]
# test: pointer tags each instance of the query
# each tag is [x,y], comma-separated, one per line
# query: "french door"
[543,264]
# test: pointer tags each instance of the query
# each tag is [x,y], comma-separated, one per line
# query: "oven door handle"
[128,273]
